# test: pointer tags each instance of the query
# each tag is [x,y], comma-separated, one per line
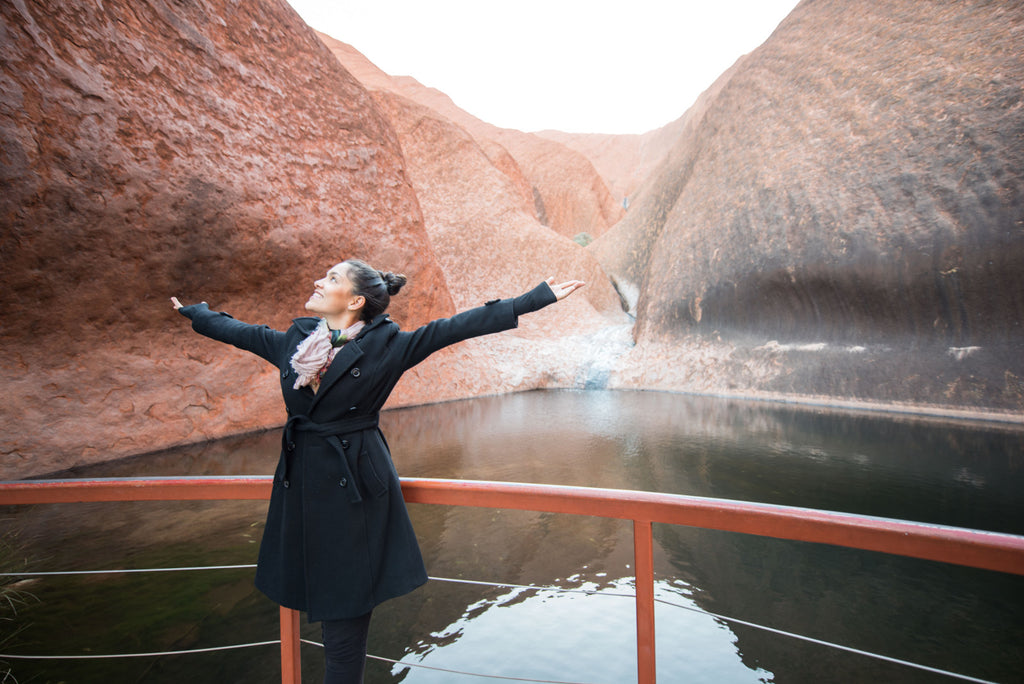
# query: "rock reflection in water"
[952,618]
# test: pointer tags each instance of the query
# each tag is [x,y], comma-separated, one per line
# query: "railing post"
[291,659]
[643,561]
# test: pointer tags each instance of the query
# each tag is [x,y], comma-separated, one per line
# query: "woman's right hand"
[175,303]
[563,290]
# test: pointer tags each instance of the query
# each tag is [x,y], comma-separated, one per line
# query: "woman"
[338,540]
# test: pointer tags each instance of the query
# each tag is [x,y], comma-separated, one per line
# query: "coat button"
[355,372]
[353,408]
[344,444]
[343,482]
[291,446]
[284,373]
[286,484]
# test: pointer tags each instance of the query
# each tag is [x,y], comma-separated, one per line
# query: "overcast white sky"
[580,67]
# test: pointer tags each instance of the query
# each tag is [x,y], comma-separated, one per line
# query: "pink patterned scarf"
[314,354]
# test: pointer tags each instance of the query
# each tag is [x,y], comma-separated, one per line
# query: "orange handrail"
[987,550]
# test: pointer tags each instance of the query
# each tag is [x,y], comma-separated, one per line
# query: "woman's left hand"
[563,290]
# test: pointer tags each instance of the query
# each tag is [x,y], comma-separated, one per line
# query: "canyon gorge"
[839,219]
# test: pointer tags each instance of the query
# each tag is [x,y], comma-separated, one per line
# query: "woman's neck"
[343,320]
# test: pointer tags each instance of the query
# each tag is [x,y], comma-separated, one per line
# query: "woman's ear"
[356,303]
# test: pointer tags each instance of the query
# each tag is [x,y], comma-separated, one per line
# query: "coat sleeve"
[494,316]
[261,340]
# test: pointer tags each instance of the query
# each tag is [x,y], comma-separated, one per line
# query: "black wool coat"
[338,539]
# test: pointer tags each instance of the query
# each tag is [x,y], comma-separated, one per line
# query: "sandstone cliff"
[842,213]
[478,209]
[206,151]
[566,192]
[838,217]
[624,161]
[478,203]
[489,246]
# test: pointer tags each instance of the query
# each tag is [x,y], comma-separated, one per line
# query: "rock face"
[839,216]
[478,210]
[566,192]
[222,153]
[205,150]
[846,206]
[476,199]
[624,161]
[132,133]
[479,231]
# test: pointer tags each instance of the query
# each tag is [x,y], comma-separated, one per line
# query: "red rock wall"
[480,233]
[206,150]
[838,217]
[624,161]
[478,209]
[566,191]
[222,153]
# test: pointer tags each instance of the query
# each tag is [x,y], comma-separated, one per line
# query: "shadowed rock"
[854,183]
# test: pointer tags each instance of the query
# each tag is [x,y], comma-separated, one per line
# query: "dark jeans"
[345,649]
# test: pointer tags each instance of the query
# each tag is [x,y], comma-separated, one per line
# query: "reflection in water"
[525,633]
[947,617]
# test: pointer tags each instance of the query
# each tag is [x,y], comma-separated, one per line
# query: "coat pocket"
[373,472]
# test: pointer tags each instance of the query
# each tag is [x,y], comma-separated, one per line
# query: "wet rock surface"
[853,184]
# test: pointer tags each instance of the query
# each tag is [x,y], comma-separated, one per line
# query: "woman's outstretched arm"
[494,316]
[258,339]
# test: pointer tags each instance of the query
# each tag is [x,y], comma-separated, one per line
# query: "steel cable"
[532,587]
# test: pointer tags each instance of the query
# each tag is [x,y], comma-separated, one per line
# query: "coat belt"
[330,432]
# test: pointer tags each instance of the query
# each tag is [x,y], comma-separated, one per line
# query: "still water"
[945,617]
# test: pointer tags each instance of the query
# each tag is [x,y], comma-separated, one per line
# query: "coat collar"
[307,324]
[348,355]
[380,321]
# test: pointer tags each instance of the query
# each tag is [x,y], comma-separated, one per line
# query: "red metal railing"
[987,550]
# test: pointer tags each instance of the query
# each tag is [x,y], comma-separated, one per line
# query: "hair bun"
[393,281]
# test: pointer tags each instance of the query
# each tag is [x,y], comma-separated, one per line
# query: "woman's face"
[333,294]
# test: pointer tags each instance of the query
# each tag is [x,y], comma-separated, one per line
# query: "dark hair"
[376,287]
